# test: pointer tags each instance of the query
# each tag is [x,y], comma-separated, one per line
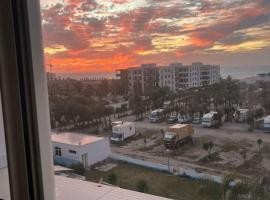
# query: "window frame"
[25,101]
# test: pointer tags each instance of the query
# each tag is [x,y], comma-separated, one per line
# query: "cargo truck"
[122,131]
[177,135]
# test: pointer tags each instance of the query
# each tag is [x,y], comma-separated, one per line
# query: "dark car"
[172,120]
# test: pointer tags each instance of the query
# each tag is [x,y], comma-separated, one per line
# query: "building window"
[72,151]
[58,151]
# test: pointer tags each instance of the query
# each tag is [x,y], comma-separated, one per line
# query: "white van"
[208,119]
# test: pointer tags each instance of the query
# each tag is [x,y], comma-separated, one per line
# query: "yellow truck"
[177,135]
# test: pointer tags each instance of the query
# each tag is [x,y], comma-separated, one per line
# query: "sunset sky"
[105,35]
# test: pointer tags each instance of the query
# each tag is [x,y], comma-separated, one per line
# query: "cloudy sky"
[105,35]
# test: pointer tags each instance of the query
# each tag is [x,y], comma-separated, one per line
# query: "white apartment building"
[178,76]
[167,76]
[174,76]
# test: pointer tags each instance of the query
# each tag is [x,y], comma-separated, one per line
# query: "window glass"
[143,61]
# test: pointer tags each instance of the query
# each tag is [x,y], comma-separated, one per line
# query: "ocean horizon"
[238,72]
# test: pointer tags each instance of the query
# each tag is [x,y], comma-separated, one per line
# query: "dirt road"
[237,132]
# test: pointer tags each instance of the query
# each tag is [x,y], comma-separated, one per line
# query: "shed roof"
[77,139]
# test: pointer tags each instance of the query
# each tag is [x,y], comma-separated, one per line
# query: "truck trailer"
[122,131]
[177,135]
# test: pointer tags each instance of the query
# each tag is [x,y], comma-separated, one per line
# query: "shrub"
[112,179]
[78,169]
[142,186]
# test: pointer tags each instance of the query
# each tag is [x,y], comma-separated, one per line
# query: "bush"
[112,179]
[142,186]
[78,169]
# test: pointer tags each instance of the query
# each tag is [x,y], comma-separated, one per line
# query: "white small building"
[74,148]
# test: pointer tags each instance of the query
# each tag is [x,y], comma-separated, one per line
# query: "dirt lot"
[235,149]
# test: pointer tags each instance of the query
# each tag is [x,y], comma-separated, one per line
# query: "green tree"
[208,146]
[226,185]
[259,142]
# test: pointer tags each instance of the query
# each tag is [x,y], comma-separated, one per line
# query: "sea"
[237,72]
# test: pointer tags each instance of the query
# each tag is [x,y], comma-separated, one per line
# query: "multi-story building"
[167,76]
[142,79]
[176,76]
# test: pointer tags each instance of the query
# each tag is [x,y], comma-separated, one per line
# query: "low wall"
[190,173]
[142,163]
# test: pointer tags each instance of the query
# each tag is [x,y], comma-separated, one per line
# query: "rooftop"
[77,139]
[4,184]
[70,189]
[178,126]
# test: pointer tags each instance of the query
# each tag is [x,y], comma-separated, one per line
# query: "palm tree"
[259,142]
[226,185]
[208,146]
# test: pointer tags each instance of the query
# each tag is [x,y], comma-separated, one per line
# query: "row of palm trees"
[223,96]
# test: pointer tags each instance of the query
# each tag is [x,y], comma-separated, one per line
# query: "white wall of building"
[96,151]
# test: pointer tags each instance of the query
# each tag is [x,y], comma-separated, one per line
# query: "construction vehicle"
[177,135]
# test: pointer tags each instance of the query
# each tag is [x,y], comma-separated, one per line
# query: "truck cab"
[122,131]
[116,137]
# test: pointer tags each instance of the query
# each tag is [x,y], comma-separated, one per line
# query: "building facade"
[175,76]
[141,80]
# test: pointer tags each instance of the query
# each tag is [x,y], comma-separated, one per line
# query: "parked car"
[184,119]
[172,119]
[196,120]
